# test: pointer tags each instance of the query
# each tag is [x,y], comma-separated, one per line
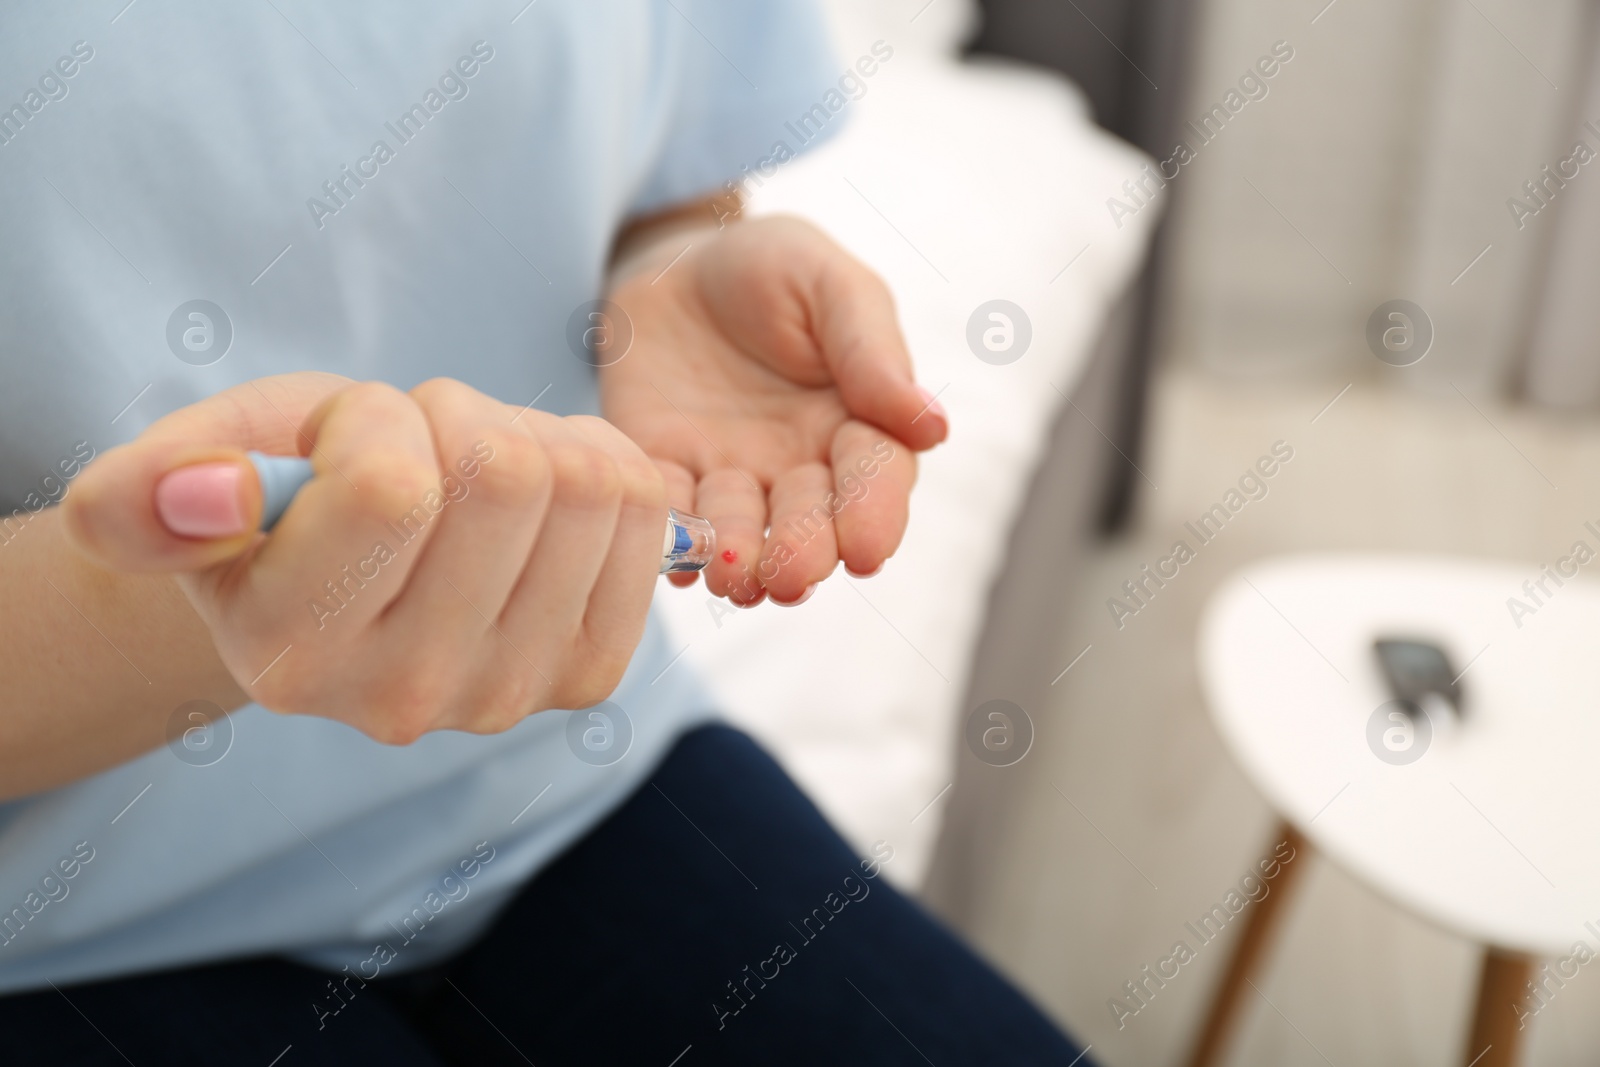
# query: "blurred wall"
[1379,165]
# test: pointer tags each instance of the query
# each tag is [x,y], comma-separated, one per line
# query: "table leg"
[1496,1035]
[1265,918]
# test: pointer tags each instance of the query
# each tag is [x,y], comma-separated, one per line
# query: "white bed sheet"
[959,183]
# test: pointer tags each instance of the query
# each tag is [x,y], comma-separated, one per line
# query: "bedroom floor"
[1129,817]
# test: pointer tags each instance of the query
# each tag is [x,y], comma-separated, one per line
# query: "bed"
[963,180]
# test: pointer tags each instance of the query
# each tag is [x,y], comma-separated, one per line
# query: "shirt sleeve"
[745,84]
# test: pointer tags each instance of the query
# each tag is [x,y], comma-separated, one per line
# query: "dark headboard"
[1131,59]
[1127,55]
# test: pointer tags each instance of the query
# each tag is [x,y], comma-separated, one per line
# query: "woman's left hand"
[768,379]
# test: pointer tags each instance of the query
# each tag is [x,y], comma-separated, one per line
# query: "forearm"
[95,663]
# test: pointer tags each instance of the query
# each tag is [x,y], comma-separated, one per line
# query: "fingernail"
[801,599]
[931,404]
[874,572]
[202,501]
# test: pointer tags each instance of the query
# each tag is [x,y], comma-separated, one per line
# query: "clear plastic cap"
[688,544]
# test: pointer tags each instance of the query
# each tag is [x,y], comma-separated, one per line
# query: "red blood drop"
[731,556]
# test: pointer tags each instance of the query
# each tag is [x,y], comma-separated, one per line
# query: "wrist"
[653,243]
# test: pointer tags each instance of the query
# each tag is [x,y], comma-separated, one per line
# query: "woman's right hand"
[456,563]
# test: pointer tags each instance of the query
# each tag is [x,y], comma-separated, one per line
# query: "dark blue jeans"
[715,918]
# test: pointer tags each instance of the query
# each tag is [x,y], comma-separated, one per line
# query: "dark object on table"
[1414,668]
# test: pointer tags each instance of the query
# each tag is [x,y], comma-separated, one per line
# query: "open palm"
[768,378]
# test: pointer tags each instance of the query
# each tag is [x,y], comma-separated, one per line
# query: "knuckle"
[584,476]
[387,727]
[389,485]
[643,484]
[288,692]
[508,697]
[641,480]
[519,471]
[586,692]
[373,396]
[404,710]
[494,721]
[283,696]
[437,392]
[598,678]
[404,719]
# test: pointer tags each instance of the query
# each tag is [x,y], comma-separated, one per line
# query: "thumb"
[184,495]
[859,335]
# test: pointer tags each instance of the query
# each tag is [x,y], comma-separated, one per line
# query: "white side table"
[1485,825]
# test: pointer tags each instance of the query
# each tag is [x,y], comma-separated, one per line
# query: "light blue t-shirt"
[390,191]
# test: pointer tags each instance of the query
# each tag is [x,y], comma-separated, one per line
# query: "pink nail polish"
[933,407]
[202,501]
